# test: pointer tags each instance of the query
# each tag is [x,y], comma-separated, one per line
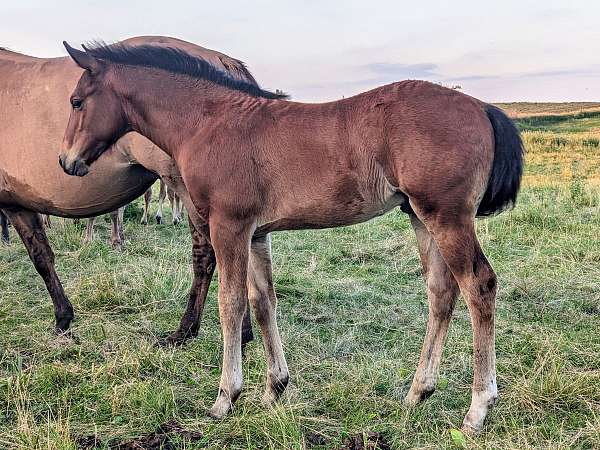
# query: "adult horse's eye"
[76,103]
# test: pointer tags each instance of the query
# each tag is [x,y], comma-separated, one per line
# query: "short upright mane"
[173,60]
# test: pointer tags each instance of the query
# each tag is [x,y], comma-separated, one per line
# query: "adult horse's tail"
[507,169]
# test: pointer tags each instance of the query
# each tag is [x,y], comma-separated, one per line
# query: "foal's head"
[102,99]
[97,117]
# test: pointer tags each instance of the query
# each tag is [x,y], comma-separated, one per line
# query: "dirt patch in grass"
[366,441]
[166,437]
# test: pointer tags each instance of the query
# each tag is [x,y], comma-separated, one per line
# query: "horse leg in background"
[147,199]
[46,221]
[203,262]
[121,215]
[175,203]
[231,241]
[32,233]
[264,303]
[457,242]
[115,234]
[4,226]
[89,231]
[161,198]
[442,292]
[179,205]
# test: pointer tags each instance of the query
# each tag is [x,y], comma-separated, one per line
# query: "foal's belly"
[358,205]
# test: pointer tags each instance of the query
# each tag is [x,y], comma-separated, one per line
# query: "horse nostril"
[61,161]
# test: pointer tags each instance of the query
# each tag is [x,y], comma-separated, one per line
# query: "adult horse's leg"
[89,231]
[161,198]
[442,292]
[32,233]
[231,241]
[120,216]
[147,199]
[455,237]
[46,221]
[115,235]
[203,263]
[4,226]
[175,204]
[264,303]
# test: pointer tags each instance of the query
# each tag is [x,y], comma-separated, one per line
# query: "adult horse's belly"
[34,111]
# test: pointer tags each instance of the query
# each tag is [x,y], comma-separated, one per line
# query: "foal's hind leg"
[264,302]
[455,237]
[33,235]
[442,291]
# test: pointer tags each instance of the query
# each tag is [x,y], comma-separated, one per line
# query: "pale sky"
[510,50]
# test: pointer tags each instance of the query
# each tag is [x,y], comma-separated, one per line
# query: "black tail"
[507,169]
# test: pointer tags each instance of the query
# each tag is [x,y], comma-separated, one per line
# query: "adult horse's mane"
[176,61]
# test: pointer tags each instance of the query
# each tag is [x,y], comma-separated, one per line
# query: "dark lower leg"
[33,235]
[4,226]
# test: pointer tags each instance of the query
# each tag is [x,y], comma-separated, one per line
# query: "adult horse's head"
[97,117]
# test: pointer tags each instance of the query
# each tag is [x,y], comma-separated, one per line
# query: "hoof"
[158,219]
[62,324]
[177,338]
[117,245]
[274,390]
[413,397]
[469,430]
[222,406]
[176,221]
[144,221]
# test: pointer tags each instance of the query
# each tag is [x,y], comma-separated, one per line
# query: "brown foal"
[254,164]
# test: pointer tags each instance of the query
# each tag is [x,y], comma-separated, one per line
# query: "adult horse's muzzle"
[74,167]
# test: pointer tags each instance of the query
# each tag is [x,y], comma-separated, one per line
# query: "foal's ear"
[83,59]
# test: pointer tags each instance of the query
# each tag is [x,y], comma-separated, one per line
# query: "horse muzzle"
[76,167]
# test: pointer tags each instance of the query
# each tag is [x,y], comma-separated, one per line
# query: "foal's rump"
[452,151]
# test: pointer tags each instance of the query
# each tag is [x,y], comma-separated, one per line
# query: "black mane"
[174,60]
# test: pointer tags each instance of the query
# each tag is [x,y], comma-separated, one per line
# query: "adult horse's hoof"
[117,245]
[177,338]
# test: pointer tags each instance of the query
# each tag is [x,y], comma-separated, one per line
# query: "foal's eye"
[76,103]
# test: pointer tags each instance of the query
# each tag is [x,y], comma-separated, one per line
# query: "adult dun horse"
[255,164]
[34,111]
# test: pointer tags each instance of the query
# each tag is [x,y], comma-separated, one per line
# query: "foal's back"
[320,165]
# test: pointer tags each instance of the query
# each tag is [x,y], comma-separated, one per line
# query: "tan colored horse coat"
[34,110]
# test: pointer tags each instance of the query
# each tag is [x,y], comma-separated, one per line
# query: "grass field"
[352,315]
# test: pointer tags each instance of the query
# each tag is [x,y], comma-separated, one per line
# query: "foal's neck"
[171,109]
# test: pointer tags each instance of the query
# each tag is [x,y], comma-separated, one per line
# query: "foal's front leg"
[264,302]
[231,241]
